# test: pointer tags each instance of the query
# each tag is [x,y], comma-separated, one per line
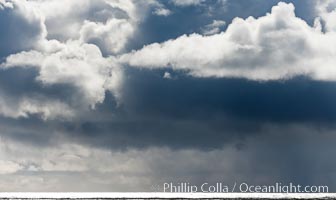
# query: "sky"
[124,95]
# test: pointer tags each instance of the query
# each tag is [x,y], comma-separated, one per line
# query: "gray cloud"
[271,157]
[185,112]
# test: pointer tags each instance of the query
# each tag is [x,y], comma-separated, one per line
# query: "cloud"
[46,108]
[64,18]
[184,3]
[178,112]
[8,167]
[266,159]
[167,75]
[80,58]
[327,11]
[67,43]
[110,37]
[4,4]
[182,97]
[214,27]
[276,46]
[95,22]
[79,64]
[162,12]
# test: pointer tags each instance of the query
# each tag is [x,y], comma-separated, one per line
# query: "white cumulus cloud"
[69,43]
[276,46]
[79,64]
[327,11]
[111,37]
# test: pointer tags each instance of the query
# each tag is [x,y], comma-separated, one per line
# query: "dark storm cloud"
[183,111]
[204,113]
[295,100]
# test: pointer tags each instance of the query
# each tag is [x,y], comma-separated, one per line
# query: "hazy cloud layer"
[265,159]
